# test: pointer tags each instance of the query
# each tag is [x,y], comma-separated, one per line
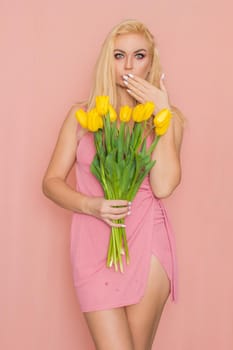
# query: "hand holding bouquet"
[122,159]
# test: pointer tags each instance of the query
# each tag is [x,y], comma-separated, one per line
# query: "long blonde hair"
[104,77]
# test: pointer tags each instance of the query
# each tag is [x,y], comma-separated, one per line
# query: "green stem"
[153,145]
[114,251]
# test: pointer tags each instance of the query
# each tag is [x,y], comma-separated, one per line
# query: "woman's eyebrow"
[119,50]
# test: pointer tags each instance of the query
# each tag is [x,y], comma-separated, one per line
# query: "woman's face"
[131,55]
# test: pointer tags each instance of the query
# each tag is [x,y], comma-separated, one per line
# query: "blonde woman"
[122,310]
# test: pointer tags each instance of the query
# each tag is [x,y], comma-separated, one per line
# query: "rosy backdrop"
[48,50]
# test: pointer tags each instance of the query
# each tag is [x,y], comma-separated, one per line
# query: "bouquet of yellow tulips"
[122,159]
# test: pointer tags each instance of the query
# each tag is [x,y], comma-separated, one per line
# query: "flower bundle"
[122,159]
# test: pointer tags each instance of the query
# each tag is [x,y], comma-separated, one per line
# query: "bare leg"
[109,329]
[144,316]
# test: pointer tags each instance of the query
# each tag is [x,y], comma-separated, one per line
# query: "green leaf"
[127,140]
[114,135]
[107,133]
[143,149]
[127,177]
[95,168]
[99,145]
[136,138]
[120,143]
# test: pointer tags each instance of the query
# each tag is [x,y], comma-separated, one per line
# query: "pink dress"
[148,232]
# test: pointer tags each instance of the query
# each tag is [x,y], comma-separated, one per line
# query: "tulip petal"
[94,120]
[102,104]
[125,113]
[149,108]
[163,129]
[81,117]
[112,113]
[162,117]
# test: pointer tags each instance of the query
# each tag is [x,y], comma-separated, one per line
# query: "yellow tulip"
[81,117]
[162,130]
[148,110]
[137,114]
[143,111]
[162,117]
[112,113]
[162,121]
[102,104]
[94,120]
[125,113]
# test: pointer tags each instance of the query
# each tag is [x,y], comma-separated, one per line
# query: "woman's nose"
[128,62]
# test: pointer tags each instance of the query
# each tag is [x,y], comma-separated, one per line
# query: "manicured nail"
[128,90]
[129,203]
[163,76]
[130,75]
[122,225]
[125,82]
[125,77]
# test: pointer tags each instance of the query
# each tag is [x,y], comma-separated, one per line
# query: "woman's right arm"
[54,184]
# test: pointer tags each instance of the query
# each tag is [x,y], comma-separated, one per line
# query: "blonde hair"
[104,78]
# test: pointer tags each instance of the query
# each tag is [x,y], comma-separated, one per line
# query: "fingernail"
[163,76]
[125,82]
[129,203]
[130,75]
[129,212]
[125,77]
[122,225]
[128,90]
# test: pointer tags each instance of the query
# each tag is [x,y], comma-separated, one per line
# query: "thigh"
[109,329]
[144,316]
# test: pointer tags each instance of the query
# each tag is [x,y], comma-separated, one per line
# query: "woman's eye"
[140,55]
[118,55]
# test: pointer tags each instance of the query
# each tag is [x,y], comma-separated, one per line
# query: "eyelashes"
[140,55]
[119,56]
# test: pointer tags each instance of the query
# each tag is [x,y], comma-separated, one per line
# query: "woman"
[122,310]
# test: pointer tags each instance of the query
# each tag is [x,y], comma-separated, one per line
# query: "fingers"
[141,86]
[117,211]
[109,210]
[143,91]
[118,203]
[136,88]
[136,96]
[135,82]
[113,224]
[141,83]
[116,216]
[140,89]
[162,86]
[114,210]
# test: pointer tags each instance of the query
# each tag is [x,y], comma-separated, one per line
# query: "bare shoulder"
[71,124]
[64,153]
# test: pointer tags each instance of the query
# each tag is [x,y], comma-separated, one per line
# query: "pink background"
[48,49]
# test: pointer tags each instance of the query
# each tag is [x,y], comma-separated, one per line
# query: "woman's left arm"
[165,176]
